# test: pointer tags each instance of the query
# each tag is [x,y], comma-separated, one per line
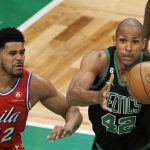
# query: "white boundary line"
[40,125]
[39,14]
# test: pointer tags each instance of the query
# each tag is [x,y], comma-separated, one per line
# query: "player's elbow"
[72,96]
[77,113]
[79,117]
[73,118]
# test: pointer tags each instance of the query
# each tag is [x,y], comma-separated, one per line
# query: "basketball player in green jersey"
[119,122]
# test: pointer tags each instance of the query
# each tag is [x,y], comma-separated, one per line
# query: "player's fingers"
[107,85]
[54,133]
[66,133]
[111,79]
[59,133]
[52,137]
[105,107]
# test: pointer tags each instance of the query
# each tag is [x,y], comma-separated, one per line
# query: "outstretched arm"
[146,25]
[43,90]
[79,92]
[71,118]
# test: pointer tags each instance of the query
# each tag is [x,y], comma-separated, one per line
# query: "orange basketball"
[138,82]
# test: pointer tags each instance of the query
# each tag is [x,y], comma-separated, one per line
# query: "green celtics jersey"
[112,129]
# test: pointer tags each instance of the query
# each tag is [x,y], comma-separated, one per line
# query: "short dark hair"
[10,34]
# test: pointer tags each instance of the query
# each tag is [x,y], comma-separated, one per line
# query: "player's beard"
[19,75]
[12,73]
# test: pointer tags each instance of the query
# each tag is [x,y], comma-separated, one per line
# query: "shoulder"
[95,55]
[94,60]
[41,87]
[38,80]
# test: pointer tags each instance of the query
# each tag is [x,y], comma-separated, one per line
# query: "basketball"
[138,82]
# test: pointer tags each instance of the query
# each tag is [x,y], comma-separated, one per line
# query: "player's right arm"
[79,93]
[44,91]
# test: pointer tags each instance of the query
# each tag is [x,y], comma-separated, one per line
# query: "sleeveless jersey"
[14,107]
[111,129]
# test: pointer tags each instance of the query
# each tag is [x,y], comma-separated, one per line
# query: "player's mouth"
[18,66]
[127,57]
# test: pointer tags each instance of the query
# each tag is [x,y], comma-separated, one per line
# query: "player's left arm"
[43,90]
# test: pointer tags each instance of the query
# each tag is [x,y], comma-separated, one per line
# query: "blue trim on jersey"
[12,89]
[95,86]
[28,104]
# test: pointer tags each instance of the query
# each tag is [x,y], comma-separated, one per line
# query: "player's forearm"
[82,97]
[73,118]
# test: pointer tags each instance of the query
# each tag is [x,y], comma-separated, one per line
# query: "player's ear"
[145,43]
[114,40]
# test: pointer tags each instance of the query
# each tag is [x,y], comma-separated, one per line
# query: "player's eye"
[122,40]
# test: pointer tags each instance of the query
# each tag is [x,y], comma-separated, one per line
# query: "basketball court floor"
[58,33]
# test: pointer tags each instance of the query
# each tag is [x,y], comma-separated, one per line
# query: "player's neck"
[6,82]
[123,72]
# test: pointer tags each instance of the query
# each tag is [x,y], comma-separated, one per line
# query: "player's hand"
[105,90]
[59,132]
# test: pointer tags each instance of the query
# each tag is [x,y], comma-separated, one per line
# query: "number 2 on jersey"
[7,135]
